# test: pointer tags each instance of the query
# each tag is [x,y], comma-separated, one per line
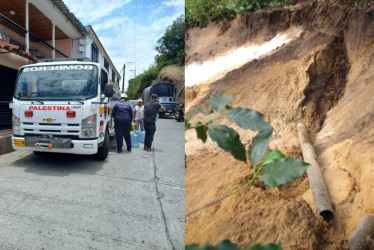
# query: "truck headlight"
[89,127]
[15,123]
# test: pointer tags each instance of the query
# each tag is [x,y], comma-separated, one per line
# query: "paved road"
[130,201]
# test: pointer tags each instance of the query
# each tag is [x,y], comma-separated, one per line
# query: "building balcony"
[13,34]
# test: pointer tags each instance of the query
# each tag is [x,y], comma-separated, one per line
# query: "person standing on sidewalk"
[150,113]
[123,115]
[139,116]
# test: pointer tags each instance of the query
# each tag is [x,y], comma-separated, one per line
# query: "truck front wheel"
[102,152]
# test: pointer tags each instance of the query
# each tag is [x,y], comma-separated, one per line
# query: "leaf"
[187,125]
[228,140]
[270,246]
[282,171]
[248,119]
[227,245]
[223,245]
[201,132]
[203,111]
[193,247]
[260,145]
[218,102]
[272,156]
[228,107]
[191,115]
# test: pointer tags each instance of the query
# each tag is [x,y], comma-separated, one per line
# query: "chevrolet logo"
[49,119]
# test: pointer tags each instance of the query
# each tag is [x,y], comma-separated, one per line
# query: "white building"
[90,46]
[40,29]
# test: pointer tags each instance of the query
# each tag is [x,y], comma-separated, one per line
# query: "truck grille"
[170,106]
[51,128]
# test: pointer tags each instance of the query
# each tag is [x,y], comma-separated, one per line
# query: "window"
[106,64]
[94,53]
[64,82]
[113,76]
[104,80]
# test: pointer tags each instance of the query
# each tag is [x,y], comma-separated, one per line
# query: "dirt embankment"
[173,74]
[323,78]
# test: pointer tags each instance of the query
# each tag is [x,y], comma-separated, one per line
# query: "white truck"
[63,106]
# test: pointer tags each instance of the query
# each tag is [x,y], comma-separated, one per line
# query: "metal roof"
[77,24]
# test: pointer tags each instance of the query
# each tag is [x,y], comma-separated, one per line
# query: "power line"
[122,35]
[136,8]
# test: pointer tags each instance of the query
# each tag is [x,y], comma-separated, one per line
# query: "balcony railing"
[12,33]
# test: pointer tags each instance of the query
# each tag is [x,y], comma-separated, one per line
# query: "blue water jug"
[135,139]
[142,136]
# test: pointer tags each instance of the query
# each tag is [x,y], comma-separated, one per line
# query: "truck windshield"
[166,99]
[57,82]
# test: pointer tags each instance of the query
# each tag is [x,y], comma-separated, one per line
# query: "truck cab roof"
[64,61]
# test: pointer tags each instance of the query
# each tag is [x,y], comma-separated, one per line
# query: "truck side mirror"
[108,90]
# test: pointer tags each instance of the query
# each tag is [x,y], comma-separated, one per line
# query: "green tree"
[171,45]
[171,51]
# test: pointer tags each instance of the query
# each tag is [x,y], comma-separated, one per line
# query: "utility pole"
[123,82]
[134,71]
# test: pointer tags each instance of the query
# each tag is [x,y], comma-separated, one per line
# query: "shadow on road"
[167,117]
[57,164]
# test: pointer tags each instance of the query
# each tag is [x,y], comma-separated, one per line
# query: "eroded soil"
[324,78]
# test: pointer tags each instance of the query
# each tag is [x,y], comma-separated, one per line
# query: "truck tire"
[102,151]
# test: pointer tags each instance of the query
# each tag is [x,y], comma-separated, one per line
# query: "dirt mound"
[323,78]
[173,74]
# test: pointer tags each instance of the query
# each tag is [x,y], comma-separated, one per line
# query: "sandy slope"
[324,78]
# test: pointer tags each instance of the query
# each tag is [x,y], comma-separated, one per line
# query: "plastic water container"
[142,136]
[135,139]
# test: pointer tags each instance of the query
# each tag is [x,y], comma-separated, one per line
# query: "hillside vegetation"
[171,51]
[201,12]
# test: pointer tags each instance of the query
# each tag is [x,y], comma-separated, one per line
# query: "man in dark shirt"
[150,113]
[122,114]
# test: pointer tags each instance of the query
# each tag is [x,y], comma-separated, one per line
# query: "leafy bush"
[171,45]
[171,51]
[270,166]
[227,245]
[201,12]
[142,81]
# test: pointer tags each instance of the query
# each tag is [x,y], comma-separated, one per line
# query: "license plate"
[19,143]
[169,111]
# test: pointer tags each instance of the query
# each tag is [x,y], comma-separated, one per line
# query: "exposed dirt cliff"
[325,78]
[173,74]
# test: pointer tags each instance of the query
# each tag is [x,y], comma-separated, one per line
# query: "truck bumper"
[84,147]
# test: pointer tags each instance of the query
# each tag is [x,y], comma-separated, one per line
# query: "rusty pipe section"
[317,184]
[363,236]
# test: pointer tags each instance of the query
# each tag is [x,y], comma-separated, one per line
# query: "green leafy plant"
[227,245]
[201,12]
[272,167]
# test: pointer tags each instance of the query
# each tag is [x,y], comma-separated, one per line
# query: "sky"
[128,29]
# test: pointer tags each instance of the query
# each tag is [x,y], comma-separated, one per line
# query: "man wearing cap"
[123,115]
[139,116]
[150,113]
